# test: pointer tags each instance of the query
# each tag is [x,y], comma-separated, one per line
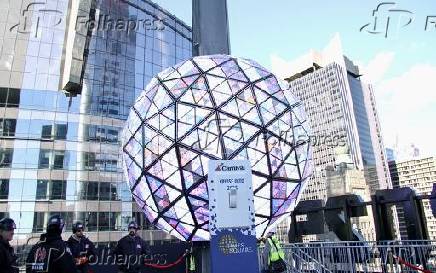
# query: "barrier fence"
[367,257]
[313,257]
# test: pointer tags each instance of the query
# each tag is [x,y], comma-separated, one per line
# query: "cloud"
[414,89]
[376,68]
[407,108]
[280,67]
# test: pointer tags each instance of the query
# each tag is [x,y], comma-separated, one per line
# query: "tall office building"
[342,112]
[61,154]
[390,154]
[420,176]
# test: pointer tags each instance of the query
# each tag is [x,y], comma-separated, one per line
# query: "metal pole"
[210,27]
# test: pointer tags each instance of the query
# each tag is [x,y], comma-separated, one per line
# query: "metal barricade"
[360,257]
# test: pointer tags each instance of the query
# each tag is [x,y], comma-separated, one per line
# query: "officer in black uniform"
[81,248]
[130,251]
[51,254]
[8,260]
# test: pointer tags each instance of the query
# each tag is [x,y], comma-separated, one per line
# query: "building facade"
[346,180]
[342,112]
[61,154]
[420,176]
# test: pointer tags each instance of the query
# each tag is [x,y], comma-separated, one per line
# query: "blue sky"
[402,66]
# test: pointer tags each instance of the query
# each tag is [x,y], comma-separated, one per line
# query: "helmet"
[272,231]
[77,226]
[56,222]
[133,224]
[7,224]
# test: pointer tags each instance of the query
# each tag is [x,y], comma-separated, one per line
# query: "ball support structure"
[208,108]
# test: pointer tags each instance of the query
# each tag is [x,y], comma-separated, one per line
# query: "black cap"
[7,224]
[134,225]
[78,226]
[56,222]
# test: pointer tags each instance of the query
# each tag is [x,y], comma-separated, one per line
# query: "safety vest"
[276,251]
[191,262]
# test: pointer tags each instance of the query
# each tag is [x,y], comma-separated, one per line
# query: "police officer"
[8,260]
[130,251]
[81,248]
[51,254]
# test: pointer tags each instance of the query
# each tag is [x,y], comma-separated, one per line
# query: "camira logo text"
[223,168]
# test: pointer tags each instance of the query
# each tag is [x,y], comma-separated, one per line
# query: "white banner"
[230,194]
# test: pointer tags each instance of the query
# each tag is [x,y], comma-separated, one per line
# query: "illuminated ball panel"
[214,107]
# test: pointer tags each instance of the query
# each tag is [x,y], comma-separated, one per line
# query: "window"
[58,161]
[39,221]
[7,127]
[46,131]
[58,189]
[91,220]
[44,159]
[92,131]
[112,135]
[61,131]
[4,188]
[92,191]
[3,96]
[104,221]
[5,157]
[142,221]
[114,192]
[105,191]
[13,98]
[41,189]
[53,190]
[89,161]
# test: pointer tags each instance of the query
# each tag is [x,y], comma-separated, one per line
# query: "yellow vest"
[191,263]
[276,251]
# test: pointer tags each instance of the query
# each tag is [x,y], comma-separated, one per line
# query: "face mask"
[131,233]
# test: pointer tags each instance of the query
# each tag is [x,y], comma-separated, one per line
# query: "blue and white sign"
[231,221]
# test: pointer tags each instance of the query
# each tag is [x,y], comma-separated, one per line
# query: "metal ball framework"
[214,107]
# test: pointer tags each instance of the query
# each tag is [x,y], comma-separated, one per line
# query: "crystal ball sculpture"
[214,107]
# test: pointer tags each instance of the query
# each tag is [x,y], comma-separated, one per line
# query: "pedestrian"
[130,251]
[82,249]
[8,259]
[51,254]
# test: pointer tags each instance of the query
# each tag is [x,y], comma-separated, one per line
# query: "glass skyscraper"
[61,154]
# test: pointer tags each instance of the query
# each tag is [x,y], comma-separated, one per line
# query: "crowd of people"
[51,254]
